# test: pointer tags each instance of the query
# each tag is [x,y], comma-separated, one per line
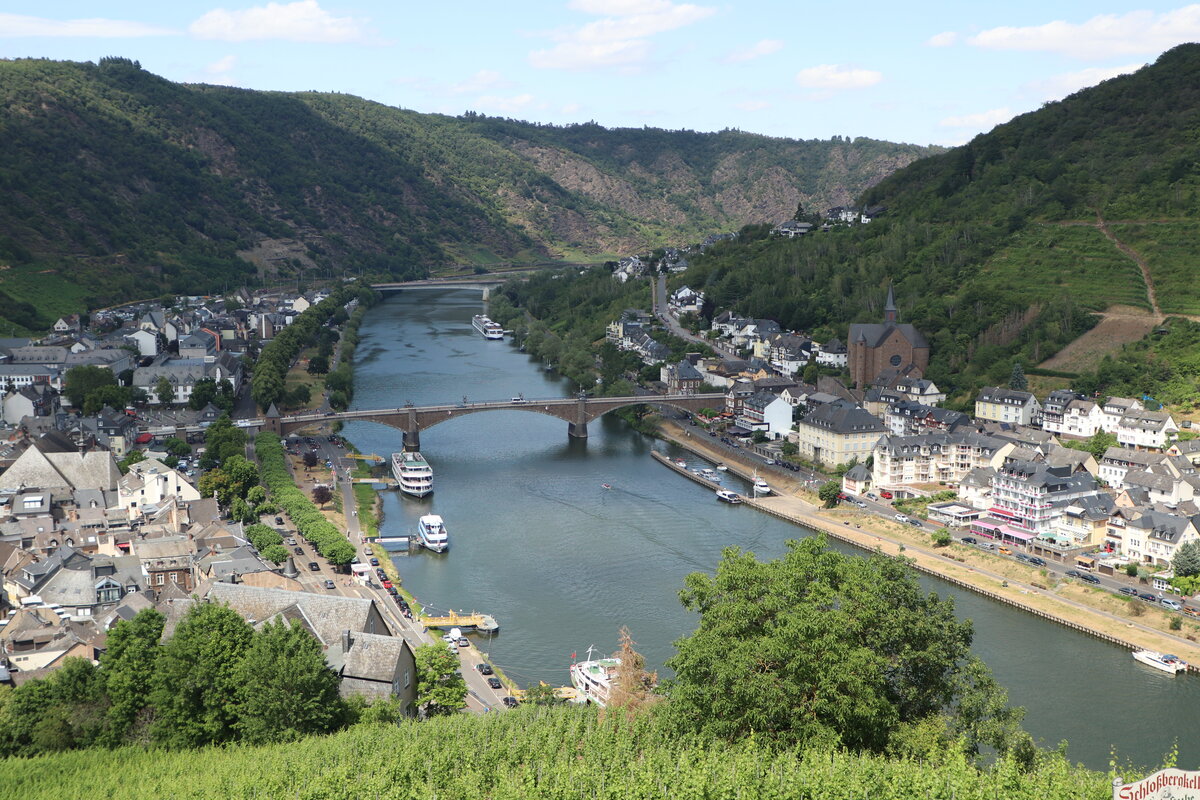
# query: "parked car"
[493,681]
[387,584]
[1037,562]
[1171,603]
[1005,550]
[279,520]
[886,495]
[1088,577]
[969,540]
[986,546]
[484,668]
[916,523]
[298,551]
[290,541]
[1073,573]
[368,551]
[374,562]
[1128,590]
[393,591]
[464,641]
[901,518]
[1022,557]
[314,566]
[510,702]
[1149,598]
[328,583]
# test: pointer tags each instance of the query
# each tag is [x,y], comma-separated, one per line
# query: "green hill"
[122,184]
[1001,248]
[529,753]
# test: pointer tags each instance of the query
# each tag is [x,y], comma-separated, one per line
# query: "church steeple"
[889,310]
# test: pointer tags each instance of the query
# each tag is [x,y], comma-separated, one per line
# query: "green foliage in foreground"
[532,753]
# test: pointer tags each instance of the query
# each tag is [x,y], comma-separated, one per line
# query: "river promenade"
[991,576]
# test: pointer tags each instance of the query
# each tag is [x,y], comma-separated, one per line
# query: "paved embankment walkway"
[872,534]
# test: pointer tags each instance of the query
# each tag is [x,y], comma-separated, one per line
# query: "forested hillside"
[121,184]
[996,248]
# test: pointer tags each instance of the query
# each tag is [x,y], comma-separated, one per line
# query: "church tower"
[889,311]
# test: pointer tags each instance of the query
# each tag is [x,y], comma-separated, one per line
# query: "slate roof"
[874,333]
[844,418]
[1008,397]
[329,614]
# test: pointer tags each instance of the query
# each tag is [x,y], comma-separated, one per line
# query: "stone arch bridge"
[577,412]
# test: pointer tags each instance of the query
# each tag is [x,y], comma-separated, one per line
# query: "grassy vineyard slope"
[529,753]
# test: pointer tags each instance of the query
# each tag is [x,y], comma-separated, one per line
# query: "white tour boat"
[1162,661]
[486,328]
[432,532]
[413,473]
[594,678]
[729,496]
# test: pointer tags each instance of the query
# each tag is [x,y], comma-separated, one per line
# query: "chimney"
[346,640]
[289,567]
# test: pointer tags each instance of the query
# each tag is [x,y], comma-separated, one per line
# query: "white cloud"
[222,66]
[506,105]
[1102,36]
[832,76]
[571,108]
[1056,87]
[482,80]
[752,105]
[302,21]
[620,39]
[762,48]
[944,39]
[14,26]
[984,120]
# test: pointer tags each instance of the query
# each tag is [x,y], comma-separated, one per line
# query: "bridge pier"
[412,440]
[577,430]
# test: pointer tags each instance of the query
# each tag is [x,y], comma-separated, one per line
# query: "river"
[563,562]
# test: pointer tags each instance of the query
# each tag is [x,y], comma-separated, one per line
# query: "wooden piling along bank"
[834,532]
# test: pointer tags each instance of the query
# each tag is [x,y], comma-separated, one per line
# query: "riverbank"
[996,578]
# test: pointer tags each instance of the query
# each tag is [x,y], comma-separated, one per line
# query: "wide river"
[563,562]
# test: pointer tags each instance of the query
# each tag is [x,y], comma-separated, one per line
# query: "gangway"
[568,693]
[363,457]
[484,623]
[377,482]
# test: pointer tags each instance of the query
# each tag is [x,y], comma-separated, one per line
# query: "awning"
[144,438]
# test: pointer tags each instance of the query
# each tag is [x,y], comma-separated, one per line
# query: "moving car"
[298,551]
[969,540]
[1128,590]
[1171,603]
[901,518]
[1037,562]
[314,566]
[495,683]
[1149,598]
[328,583]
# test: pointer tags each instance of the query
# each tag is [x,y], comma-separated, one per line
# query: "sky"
[923,71]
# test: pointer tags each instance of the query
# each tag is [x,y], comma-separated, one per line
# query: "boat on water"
[486,327]
[729,496]
[760,486]
[710,474]
[432,532]
[721,468]
[1161,661]
[593,678]
[679,462]
[413,473]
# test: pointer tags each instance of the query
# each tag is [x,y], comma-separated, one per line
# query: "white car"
[900,518]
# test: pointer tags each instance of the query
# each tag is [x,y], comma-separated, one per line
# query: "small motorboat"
[606,486]
[729,496]
[761,487]
[1161,661]
[721,468]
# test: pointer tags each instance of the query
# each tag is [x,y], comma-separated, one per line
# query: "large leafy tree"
[222,440]
[127,665]
[81,381]
[197,677]
[440,687]
[1186,562]
[286,690]
[232,481]
[820,648]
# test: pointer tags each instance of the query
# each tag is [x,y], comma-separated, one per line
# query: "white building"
[1150,430]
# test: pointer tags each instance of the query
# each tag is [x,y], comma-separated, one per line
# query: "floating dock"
[484,623]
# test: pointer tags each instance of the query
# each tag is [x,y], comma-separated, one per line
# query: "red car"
[387,584]
[886,495]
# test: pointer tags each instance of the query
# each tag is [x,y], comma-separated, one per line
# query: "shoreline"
[870,533]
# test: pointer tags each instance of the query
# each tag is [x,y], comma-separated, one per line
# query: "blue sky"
[925,71]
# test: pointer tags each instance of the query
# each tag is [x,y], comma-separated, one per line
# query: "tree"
[276,554]
[318,365]
[196,679]
[541,695]
[83,380]
[127,665]
[310,459]
[203,392]
[222,440]
[285,689]
[822,649]
[789,448]
[829,492]
[131,458]
[164,390]
[115,397]
[440,687]
[321,494]
[758,437]
[1186,562]
[1017,380]
[177,447]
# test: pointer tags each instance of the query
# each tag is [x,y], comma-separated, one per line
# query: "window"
[158,579]
[894,360]
[407,678]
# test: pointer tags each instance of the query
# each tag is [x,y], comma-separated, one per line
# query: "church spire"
[889,310]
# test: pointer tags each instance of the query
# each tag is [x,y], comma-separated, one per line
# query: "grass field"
[1048,261]
[298,375]
[1170,250]
[52,291]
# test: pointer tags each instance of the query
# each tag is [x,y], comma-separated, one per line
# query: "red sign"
[1176,784]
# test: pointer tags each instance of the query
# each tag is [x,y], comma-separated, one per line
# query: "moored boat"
[729,496]
[1161,661]
[594,678]
[413,473]
[710,474]
[432,532]
[760,486]
[486,327]
[721,468]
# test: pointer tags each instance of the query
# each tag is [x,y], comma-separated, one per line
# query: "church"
[890,345]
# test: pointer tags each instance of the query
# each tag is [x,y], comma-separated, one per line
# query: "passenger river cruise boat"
[486,328]
[433,533]
[413,473]
[594,678]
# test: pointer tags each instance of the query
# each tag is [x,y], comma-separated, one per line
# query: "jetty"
[484,623]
